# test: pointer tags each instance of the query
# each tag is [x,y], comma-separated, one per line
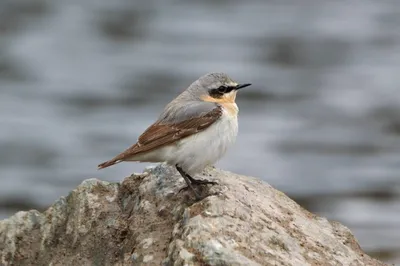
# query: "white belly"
[196,152]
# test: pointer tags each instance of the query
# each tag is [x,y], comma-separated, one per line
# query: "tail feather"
[107,164]
[127,154]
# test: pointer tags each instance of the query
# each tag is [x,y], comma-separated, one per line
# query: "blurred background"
[81,79]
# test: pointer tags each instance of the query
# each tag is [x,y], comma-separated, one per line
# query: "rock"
[145,220]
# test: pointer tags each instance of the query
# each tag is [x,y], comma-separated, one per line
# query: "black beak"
[241,86]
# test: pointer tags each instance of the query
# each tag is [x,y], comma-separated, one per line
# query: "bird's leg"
[200,182]
[185,176]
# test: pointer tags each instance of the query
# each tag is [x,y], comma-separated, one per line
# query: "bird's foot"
[196,193]
[191,182]
[202,182]
[184,188]
[194,184]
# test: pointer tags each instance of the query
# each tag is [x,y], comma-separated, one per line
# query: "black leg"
[185,176]
[200,182]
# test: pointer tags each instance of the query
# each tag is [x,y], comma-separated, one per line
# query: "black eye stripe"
[229,89]
[225,89]
[218,92]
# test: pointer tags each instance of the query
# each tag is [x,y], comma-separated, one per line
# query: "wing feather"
[160,134]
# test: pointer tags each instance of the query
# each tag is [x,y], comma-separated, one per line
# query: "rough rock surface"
[145,220]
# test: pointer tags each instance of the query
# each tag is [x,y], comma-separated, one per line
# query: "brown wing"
[159,135]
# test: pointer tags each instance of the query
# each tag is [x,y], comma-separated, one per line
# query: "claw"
[202,182]
[184,188]
[197,195]
[190,181]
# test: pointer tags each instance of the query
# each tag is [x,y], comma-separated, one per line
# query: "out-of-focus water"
[80,80]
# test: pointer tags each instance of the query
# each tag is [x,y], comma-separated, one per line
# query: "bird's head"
[216,87]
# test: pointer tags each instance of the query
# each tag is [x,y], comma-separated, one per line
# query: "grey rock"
[145,220]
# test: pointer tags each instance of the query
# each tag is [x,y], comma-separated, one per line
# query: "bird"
[193,131]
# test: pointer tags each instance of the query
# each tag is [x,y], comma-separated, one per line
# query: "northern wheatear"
[193,131]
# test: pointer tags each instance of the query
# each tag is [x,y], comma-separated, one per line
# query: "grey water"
[80,80]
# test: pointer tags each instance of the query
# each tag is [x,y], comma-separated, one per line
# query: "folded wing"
[161,134]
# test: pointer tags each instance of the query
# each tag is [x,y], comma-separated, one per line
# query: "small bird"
[194,130]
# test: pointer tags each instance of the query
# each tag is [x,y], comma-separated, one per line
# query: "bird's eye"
[222,89]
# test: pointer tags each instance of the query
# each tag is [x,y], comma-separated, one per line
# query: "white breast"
[196,152]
